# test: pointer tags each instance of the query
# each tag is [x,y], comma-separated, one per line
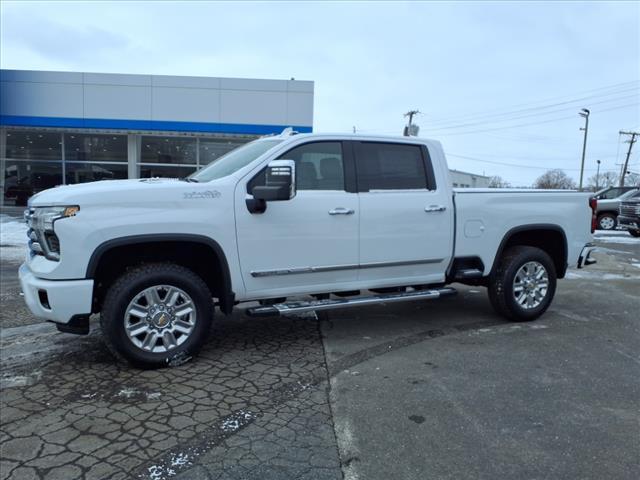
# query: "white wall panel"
[119,102]
[186,104]
[117,79]
[41,99]
[185,82]
[252,84]
[300,109]
[39,76]
[146,97]
[237,106]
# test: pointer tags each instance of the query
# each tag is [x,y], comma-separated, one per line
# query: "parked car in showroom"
[609,205]
[334,221]
[629,217]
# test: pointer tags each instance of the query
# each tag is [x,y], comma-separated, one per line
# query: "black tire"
[130,284]
[635,233]
[500,289]
[610,219]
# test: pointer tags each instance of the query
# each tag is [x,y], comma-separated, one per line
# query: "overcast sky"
[484,74]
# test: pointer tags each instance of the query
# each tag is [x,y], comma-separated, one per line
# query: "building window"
[24,178]
[168,150]
[211,149]
[148,171]
[95,148]
[79,172]
[33,145]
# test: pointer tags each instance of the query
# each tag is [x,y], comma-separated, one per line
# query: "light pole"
[584,113]
[598,175]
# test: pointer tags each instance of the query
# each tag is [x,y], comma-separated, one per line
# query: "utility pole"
[598,176]
[410,114]
[631,141]
[584,113]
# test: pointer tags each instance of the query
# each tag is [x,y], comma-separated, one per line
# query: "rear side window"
[391,166]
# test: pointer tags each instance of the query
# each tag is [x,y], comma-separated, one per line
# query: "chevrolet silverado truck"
[629,217]
[288,224]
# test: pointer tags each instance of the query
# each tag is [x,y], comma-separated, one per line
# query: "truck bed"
[485,215]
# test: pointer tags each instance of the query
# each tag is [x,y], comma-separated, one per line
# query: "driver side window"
[319,166]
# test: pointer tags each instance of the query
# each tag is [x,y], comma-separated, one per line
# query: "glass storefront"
[34,160]
[95,148]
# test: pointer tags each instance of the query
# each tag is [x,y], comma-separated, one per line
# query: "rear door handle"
[435,208]
[341,211]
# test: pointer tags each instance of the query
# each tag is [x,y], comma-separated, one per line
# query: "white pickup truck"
[331,220]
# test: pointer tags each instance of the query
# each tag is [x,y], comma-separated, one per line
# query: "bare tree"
[553,179]
[497,181]
[604,180]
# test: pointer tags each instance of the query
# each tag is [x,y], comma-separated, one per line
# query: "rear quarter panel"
[485,216]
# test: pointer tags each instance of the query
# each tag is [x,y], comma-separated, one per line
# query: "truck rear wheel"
[157,315]
[524,283]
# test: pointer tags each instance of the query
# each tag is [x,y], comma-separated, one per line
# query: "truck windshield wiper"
[191,180]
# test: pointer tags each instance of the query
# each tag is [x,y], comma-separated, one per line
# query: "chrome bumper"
[585,256]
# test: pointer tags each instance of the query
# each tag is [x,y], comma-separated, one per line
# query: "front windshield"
[234,160]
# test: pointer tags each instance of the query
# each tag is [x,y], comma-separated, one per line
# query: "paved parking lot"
[419,390]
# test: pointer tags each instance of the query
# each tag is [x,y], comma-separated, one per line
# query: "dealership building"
[68,127]
[61,128]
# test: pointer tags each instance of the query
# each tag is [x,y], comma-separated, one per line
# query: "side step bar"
[291,308]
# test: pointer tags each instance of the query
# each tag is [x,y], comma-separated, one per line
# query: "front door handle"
[435,208]
[341,211]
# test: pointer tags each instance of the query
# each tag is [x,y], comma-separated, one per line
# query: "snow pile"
[13,238]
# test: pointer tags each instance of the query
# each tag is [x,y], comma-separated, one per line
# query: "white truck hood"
[135,191]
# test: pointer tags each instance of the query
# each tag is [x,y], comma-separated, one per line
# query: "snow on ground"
[13,238]
[620,237]
[607,233]
[593,275]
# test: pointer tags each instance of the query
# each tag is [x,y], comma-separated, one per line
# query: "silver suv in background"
[609,205]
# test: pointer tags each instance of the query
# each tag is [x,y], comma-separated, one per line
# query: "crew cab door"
[406,218]
[310,241]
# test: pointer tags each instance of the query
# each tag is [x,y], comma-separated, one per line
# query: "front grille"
[628,209]
[41,243]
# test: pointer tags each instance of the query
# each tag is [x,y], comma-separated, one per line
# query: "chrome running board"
[292,308]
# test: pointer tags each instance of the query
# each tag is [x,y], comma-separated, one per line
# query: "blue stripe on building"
[156,125]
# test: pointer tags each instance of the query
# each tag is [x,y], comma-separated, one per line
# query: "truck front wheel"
[156,315]
[523,284]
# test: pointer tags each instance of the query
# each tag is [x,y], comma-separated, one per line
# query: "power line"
[617,89]
[516,165]
[550,112]
[505,127]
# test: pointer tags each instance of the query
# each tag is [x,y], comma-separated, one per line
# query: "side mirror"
[280,182]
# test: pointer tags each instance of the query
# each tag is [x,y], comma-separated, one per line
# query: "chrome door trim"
[332,268]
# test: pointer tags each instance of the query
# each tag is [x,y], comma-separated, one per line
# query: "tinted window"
[389,166]
[318,166]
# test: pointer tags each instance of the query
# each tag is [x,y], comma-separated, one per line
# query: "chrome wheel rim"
[160,318]
[607,223]
[530,285]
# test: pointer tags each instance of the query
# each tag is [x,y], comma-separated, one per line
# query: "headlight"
[42,237]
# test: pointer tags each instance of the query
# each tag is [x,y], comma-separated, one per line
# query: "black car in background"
[629,215]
